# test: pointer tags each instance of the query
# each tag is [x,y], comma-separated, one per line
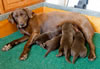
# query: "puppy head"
[20,17]
[79,35]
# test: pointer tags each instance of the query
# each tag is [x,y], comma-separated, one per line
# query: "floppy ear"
[10,18]
[29,12]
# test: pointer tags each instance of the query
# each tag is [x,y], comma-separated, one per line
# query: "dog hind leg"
[74,58]
[47,53]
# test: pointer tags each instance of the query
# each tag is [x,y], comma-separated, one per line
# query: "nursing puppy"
[78,48]
[52,44]
[42,38]
[66,40]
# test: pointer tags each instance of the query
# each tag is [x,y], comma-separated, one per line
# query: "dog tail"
[74,58]
[47,53]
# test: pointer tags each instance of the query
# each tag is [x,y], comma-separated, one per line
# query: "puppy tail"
[47,53]
[74,58]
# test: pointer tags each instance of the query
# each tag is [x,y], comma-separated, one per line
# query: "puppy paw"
[6,47]
[41,45]
[92,56]
[24,57]
[44,46]
[59,55]
[37,42]
[68,60]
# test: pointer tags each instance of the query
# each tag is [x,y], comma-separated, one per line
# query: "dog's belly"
[47,27]
[55,18]
[51,23]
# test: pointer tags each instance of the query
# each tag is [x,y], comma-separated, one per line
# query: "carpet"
[36,60]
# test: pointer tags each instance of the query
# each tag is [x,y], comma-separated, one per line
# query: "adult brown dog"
[32,23]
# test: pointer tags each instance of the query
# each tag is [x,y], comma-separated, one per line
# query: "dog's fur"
[34,23]
[52,44]
[78,48]
[42,38]
[66,40]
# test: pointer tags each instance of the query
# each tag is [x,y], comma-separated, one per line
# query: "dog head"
[80,36]
[20,17]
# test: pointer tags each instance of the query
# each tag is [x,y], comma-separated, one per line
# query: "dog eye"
[16,15]
[21,14]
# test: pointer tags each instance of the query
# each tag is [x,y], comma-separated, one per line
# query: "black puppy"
[52,44]
[66,40]
[78,48]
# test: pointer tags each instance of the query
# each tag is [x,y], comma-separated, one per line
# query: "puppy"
[78,48]
[66,40]
[52,44]
[42,38]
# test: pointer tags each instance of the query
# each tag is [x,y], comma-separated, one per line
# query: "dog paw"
[44,46]
[24,57]
[92,56]
[41,45]
[37,42]
[59,55]
[6,47]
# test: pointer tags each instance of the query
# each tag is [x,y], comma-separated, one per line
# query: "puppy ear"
[29,12]
[10,18]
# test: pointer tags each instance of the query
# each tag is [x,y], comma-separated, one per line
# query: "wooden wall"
[9,5]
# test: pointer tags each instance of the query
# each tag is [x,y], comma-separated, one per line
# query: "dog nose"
[22,24]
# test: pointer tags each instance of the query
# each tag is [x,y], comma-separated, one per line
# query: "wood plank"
[10,5]
[1,7]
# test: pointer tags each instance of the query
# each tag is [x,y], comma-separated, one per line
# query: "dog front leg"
[27,46]
[14,43]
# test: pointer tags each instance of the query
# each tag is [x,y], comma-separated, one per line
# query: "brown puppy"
[78,48]
[42,38]
[52,44]
[66,40]
[32,23]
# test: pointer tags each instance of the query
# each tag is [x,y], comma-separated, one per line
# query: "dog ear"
[10,18]
[29,12]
